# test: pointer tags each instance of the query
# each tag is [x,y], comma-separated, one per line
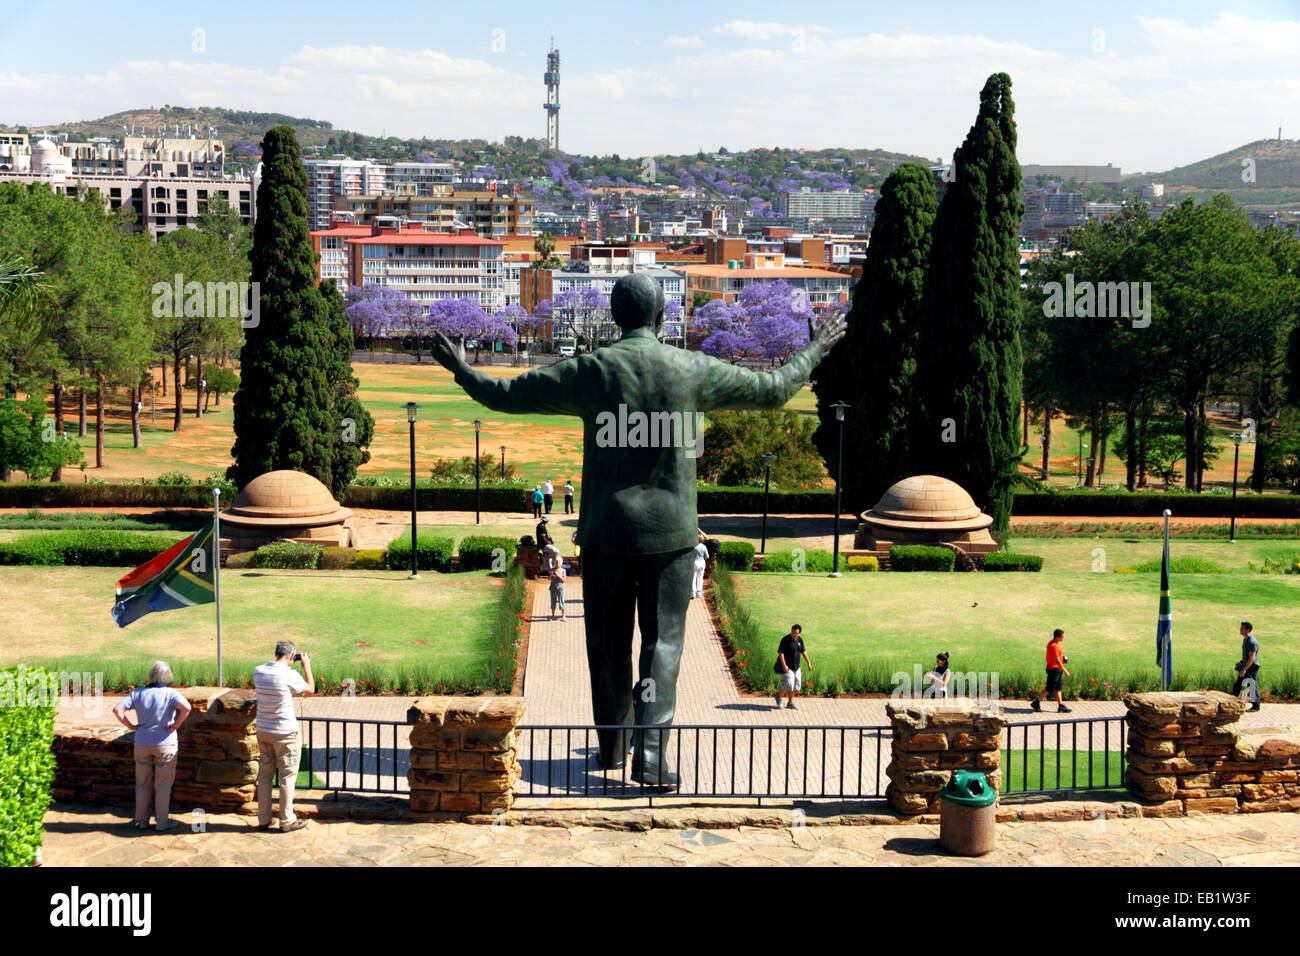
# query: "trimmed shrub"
[369,560]
[1182,566]
[920,557]
[723,499]
[1006,561]
[439,497]
[26,761]
[862,562]
[477,552]
[800,559]
[178,478]
[432,553]
[86,548]
[236,562]
[736,555]
[337,559]
[290,555]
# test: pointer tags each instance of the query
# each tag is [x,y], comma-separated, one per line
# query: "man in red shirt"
[1055,672]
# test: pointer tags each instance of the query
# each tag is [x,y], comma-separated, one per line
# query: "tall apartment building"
[1080,174]
[331,180]
[166,182]
[424,264]
[448,207]
[734,264]
[816,204]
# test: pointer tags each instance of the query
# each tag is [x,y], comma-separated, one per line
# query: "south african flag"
[179,577]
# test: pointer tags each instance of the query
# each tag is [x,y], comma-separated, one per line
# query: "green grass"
[1077,553]
[366,625]
[871,625]
[1043,767]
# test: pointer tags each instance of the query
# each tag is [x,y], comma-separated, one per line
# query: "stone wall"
[931,740]
[1188,754]
[216,764]
[463,757]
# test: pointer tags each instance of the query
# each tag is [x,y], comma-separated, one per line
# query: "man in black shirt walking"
[787,665]
[1248,667]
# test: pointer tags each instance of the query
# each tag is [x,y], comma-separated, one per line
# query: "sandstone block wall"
[216,763]
[931,740]
[463,756]
[1187,753]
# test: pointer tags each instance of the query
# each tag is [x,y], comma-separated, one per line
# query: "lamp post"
[1236,454]
[410,418]
[767,475]
[839,472]
[1047,441]
[503,462]
[477,425]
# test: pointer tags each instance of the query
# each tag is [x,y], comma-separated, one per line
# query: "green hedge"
[816,561]
[287,555]
[439,498]
[86,548]
[1151,504]
[476,552]
[1006,561]
[920,557]
[432,553]
[508,625]
[862,562]
[370,559]
[721,499]
[736,555]
[26,761]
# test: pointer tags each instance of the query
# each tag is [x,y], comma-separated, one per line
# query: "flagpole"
[216,574]
[1169,636]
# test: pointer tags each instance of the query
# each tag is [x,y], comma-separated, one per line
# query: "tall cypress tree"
[287,410]
[873,369]
[968,380]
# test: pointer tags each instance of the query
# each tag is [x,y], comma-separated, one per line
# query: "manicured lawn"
[1041,769]
[888,622]
[361,624]
[1077,553]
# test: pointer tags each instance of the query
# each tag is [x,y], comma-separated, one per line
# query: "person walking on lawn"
[787,665]
[1056,661]
[1248,667]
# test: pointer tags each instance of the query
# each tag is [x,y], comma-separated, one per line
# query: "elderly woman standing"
[159,710]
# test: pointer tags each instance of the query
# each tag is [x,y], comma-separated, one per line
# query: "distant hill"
[231,125]
[1274,163]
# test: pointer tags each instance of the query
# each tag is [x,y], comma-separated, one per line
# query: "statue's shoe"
[652,777]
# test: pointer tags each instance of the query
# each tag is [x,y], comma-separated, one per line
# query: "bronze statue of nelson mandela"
[641,403]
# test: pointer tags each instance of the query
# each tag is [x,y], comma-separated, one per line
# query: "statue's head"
[637,302]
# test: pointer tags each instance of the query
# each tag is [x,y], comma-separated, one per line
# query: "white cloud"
[1175,95]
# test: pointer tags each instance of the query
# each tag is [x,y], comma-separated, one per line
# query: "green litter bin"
[968,814]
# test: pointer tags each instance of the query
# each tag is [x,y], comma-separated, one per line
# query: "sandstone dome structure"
[285,505]
[925,509]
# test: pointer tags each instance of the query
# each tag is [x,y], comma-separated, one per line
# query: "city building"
[425,264]
[734,264]
[166,182]
[1080,174]
[338,178]
[449,207]
[818,204]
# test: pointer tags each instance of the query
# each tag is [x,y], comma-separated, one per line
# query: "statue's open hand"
[830,332]
[445,354]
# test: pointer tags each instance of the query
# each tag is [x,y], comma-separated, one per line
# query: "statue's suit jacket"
[636,498]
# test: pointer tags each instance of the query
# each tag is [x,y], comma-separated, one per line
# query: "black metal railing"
[710,761]
[359,756]
[1045,756]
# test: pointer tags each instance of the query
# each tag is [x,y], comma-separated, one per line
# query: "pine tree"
[873,369]
[287,410]
[968,381]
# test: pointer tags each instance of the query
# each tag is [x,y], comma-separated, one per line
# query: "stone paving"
[80,836]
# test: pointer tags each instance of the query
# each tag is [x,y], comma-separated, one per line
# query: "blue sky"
[1142,85]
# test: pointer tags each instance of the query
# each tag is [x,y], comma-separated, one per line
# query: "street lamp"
[1236,453]
[767,474]
[1047,441]
[477,425]
[410,418]
[503,462]
[839,472]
